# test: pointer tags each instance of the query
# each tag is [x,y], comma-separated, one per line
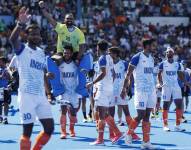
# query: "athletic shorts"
[103,98]
[32,107]
[143,100]
[168,92]
[68,98]
[120,101]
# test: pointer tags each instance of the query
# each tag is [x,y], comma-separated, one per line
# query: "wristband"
[21,25]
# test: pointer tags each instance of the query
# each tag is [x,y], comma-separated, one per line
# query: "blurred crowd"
[117,21]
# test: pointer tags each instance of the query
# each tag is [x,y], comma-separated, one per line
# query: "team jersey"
[69,76]
[120,69]
[170,73]
[143,72]
[31,65]
[155,73]
[106,84]
[66,37]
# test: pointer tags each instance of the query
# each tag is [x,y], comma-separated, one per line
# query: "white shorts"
[120,101]
[68,98]
[32,107]
[167,92]
[104,98]
[143,100]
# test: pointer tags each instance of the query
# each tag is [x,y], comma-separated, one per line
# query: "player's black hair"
[147,42]
[3,59]
[32,26]
[103,45]
[115,50]
[68,47]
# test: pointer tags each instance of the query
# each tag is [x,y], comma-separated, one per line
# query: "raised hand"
[24,16]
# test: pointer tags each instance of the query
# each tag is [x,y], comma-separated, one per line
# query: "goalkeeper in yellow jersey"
[68,33]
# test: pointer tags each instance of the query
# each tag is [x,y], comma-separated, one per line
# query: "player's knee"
[49,127]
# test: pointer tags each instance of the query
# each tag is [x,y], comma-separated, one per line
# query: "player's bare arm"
[99,77]
[160,78]
[127,81]
[23,18]
[181,76]
[46,14]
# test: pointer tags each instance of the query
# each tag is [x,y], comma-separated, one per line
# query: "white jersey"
[120,69]
[170,73]
[143,72]
[106,84]
[155,73]
[31,65]
[69,76]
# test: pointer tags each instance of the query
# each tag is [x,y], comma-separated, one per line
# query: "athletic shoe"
[128,139]
[85,120]
[135,137]
[97,143]
[152,115]
[5,121]
[89,119]
[179,128]
[63,136]
[147,145]
[166,128]
[117,138]
[184,120]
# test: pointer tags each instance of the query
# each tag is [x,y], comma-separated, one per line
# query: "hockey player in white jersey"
[31,65]
[169,72]
[141,66]
[120,68]
[69,78]
[103,97]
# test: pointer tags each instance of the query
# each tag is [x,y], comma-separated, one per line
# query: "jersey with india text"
[31,65]
[170,73]
[143,72]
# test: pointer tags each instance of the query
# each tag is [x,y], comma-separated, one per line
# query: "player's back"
[106,84]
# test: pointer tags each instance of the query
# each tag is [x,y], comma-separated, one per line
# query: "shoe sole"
[92,144]
[121,137]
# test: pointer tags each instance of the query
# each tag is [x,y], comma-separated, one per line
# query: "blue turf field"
[85,133]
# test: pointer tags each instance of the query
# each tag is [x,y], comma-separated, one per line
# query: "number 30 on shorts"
[27,116]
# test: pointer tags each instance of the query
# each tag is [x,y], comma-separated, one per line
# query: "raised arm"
[23,18]
[46,14]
